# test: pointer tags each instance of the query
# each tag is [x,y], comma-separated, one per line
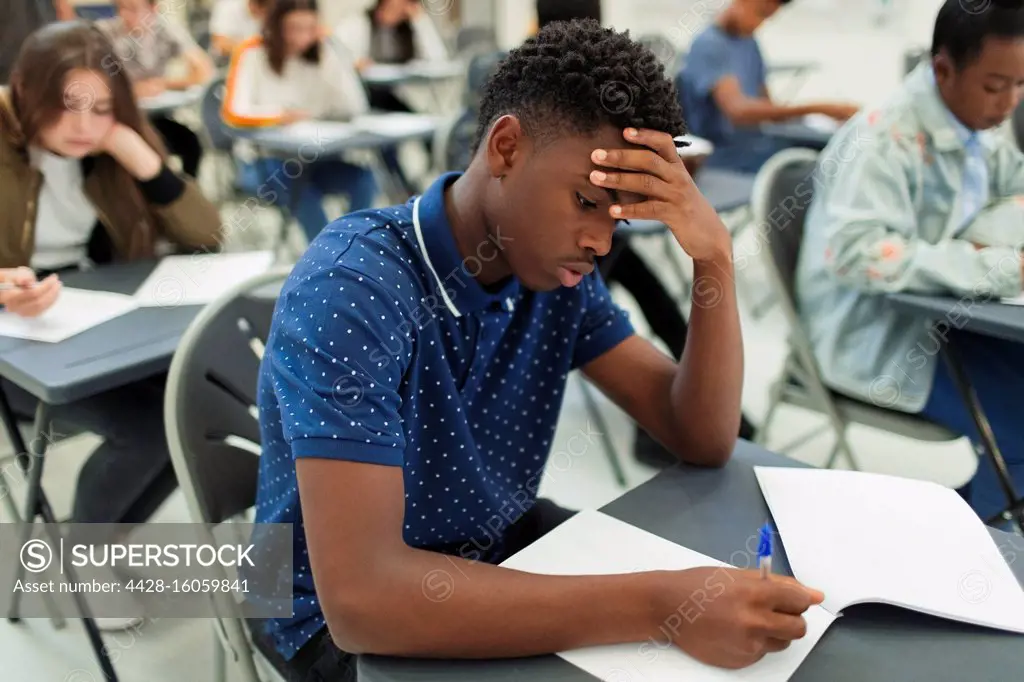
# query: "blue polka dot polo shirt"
[385,350]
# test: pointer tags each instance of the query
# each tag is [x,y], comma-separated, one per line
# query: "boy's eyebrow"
[612,194]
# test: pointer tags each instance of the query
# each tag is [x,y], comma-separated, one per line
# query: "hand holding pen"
[22,294]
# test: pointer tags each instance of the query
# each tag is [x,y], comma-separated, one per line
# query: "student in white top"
[292,73]
[392,32]
[145,41]
[84,180]
[232,21]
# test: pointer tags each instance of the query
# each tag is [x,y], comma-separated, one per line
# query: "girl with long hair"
[83,181]
[293,73]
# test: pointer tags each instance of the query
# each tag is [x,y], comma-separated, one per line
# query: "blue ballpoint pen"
[764,550]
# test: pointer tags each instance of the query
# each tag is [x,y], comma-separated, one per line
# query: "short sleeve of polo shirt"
[338,360]
[709,61]
[604,324]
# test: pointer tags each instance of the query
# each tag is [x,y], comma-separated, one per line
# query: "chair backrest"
[217,130]
[453,148]
[481,68]
[1018,125]
[782,194]
[911,58]
[210,401]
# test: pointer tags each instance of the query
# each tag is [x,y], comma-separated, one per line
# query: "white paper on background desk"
[172,98]
[593,543]
[861,537]
[314,131]
[396,124]
[821,123]
[75,311]
[1016,300]
[199,279]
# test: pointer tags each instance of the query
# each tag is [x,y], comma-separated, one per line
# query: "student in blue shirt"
[724,91]
[925,197]
[418,360]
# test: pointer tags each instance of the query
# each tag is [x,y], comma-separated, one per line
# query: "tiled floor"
[863,66]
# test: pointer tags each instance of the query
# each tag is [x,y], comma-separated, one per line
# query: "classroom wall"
[856,32]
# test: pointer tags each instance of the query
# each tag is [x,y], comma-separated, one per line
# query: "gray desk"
[715,512]
[333,138]
[169,101]
[798,134]
[413,73]
[128,348]
[990,319]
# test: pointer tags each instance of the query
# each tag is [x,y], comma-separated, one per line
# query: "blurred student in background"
[19,18]
[724,91]
[660,308]
[83,180]
[925,197]
[232,21]
[289,74]
[146,41]
[391,32]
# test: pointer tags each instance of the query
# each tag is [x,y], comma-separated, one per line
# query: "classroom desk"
[126,349]
[798,134]
[134,346]
[169,101]
[716,512]
[310,140]
[413,73]
[988,319]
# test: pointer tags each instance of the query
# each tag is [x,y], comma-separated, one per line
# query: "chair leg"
[220,660]
[842,447]
[609,448]
[774,399]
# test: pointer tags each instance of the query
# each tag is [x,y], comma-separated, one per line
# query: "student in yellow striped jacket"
[290,74]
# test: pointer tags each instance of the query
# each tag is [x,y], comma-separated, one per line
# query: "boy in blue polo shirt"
[725,91]
[418,360]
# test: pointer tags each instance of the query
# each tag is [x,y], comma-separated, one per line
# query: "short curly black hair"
[574,77]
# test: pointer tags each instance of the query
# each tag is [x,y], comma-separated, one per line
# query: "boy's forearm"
[759,110]
[432,605]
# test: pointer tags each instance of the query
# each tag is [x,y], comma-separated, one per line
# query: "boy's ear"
[943,66]
[504,145]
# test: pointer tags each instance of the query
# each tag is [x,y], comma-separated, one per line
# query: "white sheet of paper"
[861,537]
[396,125]
[199,279]
[172,98]
[1016,300]
[75,311]
[593,543]
[314,131]
[821,122]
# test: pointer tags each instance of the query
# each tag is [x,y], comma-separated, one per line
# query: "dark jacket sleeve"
[183,214]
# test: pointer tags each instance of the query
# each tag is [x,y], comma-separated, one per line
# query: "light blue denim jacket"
[887,216]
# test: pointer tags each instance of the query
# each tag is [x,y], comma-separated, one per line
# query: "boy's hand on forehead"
[671,197]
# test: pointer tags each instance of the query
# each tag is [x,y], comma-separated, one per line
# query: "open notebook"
[862,537]
[199,279]
[592,543]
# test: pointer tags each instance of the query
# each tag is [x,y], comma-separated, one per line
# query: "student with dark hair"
[19,19]
[660,308]
[925,197]
[145,41]
[83,181]
[392,32]
[417,363]
[724,89]
[291,73]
